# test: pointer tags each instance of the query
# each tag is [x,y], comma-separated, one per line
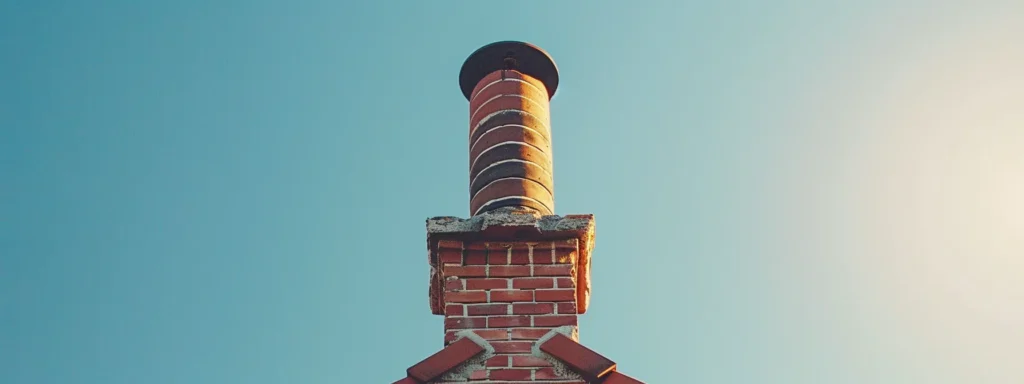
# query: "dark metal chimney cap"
[523,57]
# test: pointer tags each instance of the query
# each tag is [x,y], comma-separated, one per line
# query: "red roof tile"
[589,364]
[445,360]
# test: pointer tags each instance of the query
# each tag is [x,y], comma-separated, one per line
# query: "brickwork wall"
[510,294]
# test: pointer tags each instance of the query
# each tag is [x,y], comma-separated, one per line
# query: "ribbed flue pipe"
[510,127]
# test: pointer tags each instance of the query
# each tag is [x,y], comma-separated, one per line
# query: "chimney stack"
[513,275]
[509,85]
[512,279]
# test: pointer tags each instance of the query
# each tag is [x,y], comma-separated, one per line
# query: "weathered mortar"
[512,223]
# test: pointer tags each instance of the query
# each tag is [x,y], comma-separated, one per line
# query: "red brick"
[511,295]
[465,322]
[528,333]
[537,108]
[466,297]
[529,361]
[452,284]
[544,259]
[532,283]
[407,380]
[498,131]
[449,244]
[476,258]
[497,257]
[511,374]
[552,270]
[520,256]
[492,334]
[450,252]
[454,310]
[460,271]
[555,294]
[486,283]
[537,190]
[487,309]
[478,246]
[566,282]
[543,254]
[554,321]
[567,308]
[512,346]
[533,308]
[508,321]
[480,374]
[486,334]
[505,88]
[509,271]
[450,256]
[497,361]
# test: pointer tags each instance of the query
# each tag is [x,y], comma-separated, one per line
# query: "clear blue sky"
[211,192]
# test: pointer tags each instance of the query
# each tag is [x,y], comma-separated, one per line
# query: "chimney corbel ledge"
[511,225]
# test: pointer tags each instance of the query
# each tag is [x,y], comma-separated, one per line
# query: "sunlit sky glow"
[235,192]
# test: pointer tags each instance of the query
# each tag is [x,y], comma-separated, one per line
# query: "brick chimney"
[512,273]
[512,279]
